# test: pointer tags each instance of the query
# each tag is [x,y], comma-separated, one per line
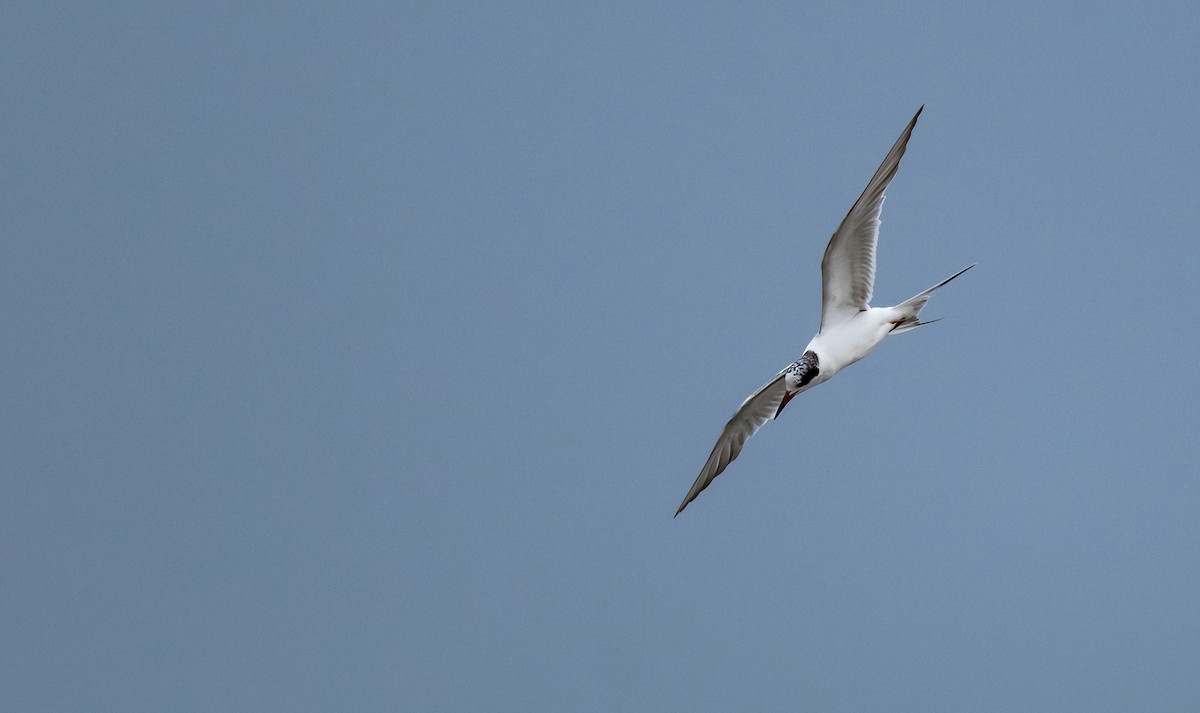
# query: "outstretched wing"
[848,268]
[754,412]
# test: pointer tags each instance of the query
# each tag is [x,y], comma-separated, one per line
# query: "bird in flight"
[850,327]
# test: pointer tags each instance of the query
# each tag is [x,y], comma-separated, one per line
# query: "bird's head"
[802,371]
[798,375]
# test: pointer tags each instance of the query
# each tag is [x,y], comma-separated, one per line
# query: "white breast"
[851,340]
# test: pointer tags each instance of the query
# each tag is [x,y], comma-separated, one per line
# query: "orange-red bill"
[787,396]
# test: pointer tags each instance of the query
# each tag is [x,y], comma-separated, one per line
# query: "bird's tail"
[912,306]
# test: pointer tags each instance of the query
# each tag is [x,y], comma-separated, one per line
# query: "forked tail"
[912,306]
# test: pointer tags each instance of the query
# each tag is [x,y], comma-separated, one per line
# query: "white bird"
[850,327]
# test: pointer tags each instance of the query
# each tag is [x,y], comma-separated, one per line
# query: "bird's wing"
[754,412]
[848,268]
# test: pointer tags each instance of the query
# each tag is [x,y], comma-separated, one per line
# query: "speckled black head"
[799,373]
[807,368]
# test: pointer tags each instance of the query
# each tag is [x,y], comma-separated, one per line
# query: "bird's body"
[850,327]
[853,339]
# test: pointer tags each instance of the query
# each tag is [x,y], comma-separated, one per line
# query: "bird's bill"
[787,396]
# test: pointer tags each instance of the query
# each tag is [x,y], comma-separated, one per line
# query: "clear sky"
[356,357]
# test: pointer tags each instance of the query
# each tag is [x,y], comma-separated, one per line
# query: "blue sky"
[357,357]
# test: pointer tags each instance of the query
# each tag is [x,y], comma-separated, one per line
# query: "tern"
[850,327]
